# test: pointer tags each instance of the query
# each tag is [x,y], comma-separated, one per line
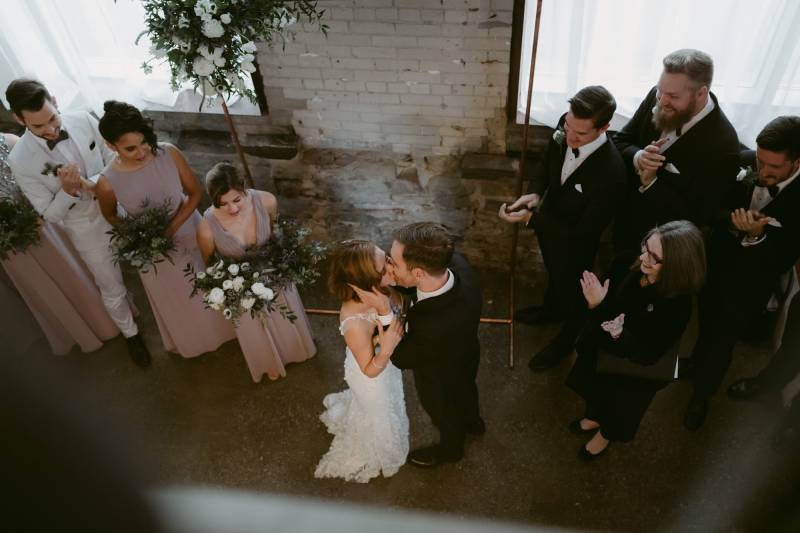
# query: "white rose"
[245,266]
[227,313]
[210,270]
[202,66]
[227,285]
[233,268]
[238,283]
[225,18]
[248,58]
[249,47]
[216,296]
[215,307]
[248,67]
[248,303]
[265,293]
[201,275]
[213,28]
[256,275]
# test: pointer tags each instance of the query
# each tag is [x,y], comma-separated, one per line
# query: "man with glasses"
[579,187]
[681,153]
[750,250]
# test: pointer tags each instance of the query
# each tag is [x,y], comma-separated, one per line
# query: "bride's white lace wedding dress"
[368,421]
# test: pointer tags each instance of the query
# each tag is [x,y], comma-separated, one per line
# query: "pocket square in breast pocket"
[91,146]
[578,188]
[672,168]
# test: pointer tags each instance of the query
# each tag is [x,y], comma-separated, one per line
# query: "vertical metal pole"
[239,151]
[522,161]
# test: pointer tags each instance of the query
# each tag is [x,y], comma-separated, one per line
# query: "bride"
[368,420]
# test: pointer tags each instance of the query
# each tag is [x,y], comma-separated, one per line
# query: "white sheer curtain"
[83,50]
[620,44]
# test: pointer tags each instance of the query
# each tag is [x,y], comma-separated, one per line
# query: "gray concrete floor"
[203,422]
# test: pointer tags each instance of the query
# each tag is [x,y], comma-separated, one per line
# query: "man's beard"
[675,121]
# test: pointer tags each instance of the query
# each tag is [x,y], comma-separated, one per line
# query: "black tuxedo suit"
[571,220]
[742,279]
[441,347]
[706,157]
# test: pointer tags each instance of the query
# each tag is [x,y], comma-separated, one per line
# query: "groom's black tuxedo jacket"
[441,346]
[574,214]
[706,157]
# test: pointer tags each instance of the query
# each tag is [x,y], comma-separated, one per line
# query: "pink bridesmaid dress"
[268,346]
[186,326]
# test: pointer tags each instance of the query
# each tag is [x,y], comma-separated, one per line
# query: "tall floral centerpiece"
[212,43]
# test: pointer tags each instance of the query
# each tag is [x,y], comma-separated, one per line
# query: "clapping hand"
[520,210]
[70,178]
[750,222]
[614,327]
[650,161]
[593,291]
[374,298]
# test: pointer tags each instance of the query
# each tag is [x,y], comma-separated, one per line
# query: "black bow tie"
[773,189]
[576,152]
[62,136]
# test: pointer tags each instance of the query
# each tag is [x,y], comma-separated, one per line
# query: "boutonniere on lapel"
[559,135]
[747,175]
[50,169]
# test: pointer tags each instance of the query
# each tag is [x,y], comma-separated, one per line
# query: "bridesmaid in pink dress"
[238,220]
[56,286]
[143,170]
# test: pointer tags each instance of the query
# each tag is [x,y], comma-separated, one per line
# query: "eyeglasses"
[651,257]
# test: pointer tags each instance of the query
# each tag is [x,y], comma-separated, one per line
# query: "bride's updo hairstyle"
[121,118]
[222,178]
[353,263]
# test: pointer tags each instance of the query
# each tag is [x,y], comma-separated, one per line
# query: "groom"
[441,340]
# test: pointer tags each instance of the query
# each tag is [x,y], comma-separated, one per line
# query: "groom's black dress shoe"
[431,457]
[138,351]
[547,358]
[475,427]
[744,389]
[536,314]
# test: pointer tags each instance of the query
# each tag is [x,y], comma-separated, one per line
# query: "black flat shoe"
[696,413]
[586,456]
[430,457]
[575,428]
[547,358]
[744,389]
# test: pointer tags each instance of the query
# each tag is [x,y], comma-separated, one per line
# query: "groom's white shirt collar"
[422,295]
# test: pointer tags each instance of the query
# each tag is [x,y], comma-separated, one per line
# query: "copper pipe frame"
[239,151]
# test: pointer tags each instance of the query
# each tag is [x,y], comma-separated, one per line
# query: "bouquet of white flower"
[212,42]
[236,288]
[141,239]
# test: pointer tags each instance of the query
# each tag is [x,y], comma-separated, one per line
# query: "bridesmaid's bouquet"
[141,239]
[289,257]
[236,288]
[19,221]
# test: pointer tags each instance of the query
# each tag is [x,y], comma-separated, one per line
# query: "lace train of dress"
[369,424]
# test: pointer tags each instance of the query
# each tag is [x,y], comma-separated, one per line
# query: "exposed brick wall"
[410,76]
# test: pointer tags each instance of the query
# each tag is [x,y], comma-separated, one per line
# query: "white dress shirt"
[422,295]
[761,196]
[65,151]
[571,162]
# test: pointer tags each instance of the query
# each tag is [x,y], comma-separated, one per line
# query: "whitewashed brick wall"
[410,76]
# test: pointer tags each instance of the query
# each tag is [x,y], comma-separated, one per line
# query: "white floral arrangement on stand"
[236,288]
[212,43]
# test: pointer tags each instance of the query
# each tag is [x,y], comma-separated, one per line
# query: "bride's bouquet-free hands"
[142,239]
[19,221]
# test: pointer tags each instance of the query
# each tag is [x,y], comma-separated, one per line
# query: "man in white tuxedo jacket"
[65,196]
